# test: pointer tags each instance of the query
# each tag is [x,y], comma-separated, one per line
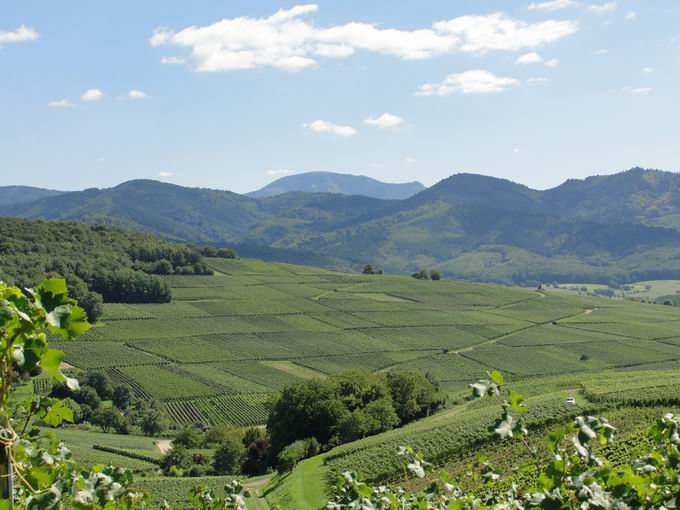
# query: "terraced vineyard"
[228,342]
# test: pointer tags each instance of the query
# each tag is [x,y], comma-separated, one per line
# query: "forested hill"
[331,182]
[21,194]
[99,262]
[622,227]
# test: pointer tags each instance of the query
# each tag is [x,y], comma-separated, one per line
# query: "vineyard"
[227,343]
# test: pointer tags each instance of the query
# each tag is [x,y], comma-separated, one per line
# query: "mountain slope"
[344,184]
[21,194]
[468,226]
[651,197]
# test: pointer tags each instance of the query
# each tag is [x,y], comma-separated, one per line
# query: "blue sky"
[94,94]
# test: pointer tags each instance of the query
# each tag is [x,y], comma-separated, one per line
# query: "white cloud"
[92,95]
[61,103]
[324,126]
[173,60]
[537,80]
[630,15]
[136,94]
[279,171]
[165,174]
[648,70]
[386,120]
[516,150]
[21,34]
[529,58]
[285,41]
[553,62]
[410,161]
[603,8]
[552,5]
[468,82]
[601,51]
[638,90]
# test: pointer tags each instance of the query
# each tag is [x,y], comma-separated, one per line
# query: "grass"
[303,489]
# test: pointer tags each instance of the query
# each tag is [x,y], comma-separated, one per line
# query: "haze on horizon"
[233,96]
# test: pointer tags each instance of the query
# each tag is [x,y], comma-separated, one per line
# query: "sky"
[234,94]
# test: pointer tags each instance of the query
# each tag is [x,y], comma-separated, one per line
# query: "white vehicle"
[571,401]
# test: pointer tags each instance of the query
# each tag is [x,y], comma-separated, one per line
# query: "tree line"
[100,263]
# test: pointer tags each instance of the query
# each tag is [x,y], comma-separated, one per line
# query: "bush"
[188,437]
[152,422]
[229,456]
[176,461]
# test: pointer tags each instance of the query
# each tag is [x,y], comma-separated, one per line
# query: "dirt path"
[257,483]
[164,445]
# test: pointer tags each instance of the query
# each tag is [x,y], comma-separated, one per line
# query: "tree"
[257,451]
[175,461]
[188,437]
[412,394]
[217,434]
[88,396]
[295,452]
[101,384]
[152,422]
[421,275]
[229,456]
[121,397]
[435,275]
[109,418]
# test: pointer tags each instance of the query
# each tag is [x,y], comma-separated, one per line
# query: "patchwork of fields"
[228,342]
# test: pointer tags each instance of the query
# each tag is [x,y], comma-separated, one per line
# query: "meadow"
[228,342]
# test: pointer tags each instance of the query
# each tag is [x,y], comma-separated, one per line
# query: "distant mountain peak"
[343,184]
[10,195]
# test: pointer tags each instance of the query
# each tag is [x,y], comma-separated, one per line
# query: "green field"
[645,290]
[228,342]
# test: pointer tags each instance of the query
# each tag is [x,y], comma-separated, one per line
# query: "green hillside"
[228,341]
[621,227]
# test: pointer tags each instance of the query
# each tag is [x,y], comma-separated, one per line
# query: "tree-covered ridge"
[620,228]
[97,261]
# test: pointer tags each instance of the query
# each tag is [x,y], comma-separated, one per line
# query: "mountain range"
[619,227]
[344,184]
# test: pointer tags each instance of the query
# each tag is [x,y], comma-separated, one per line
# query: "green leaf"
[516,402]
[57,413]
[50,361]
[497,377]
[51,294]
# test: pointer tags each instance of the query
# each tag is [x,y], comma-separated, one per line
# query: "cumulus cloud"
[136,94]
[386,120]
[603,8]
[630,15]
[324,126]
[21,34]
[529,58]
[279,171]
[553,62]
[553,5]
[61,103]
[468,82]
[92,95]
[537,80]
[165,174]
[516,150]
[285,41]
